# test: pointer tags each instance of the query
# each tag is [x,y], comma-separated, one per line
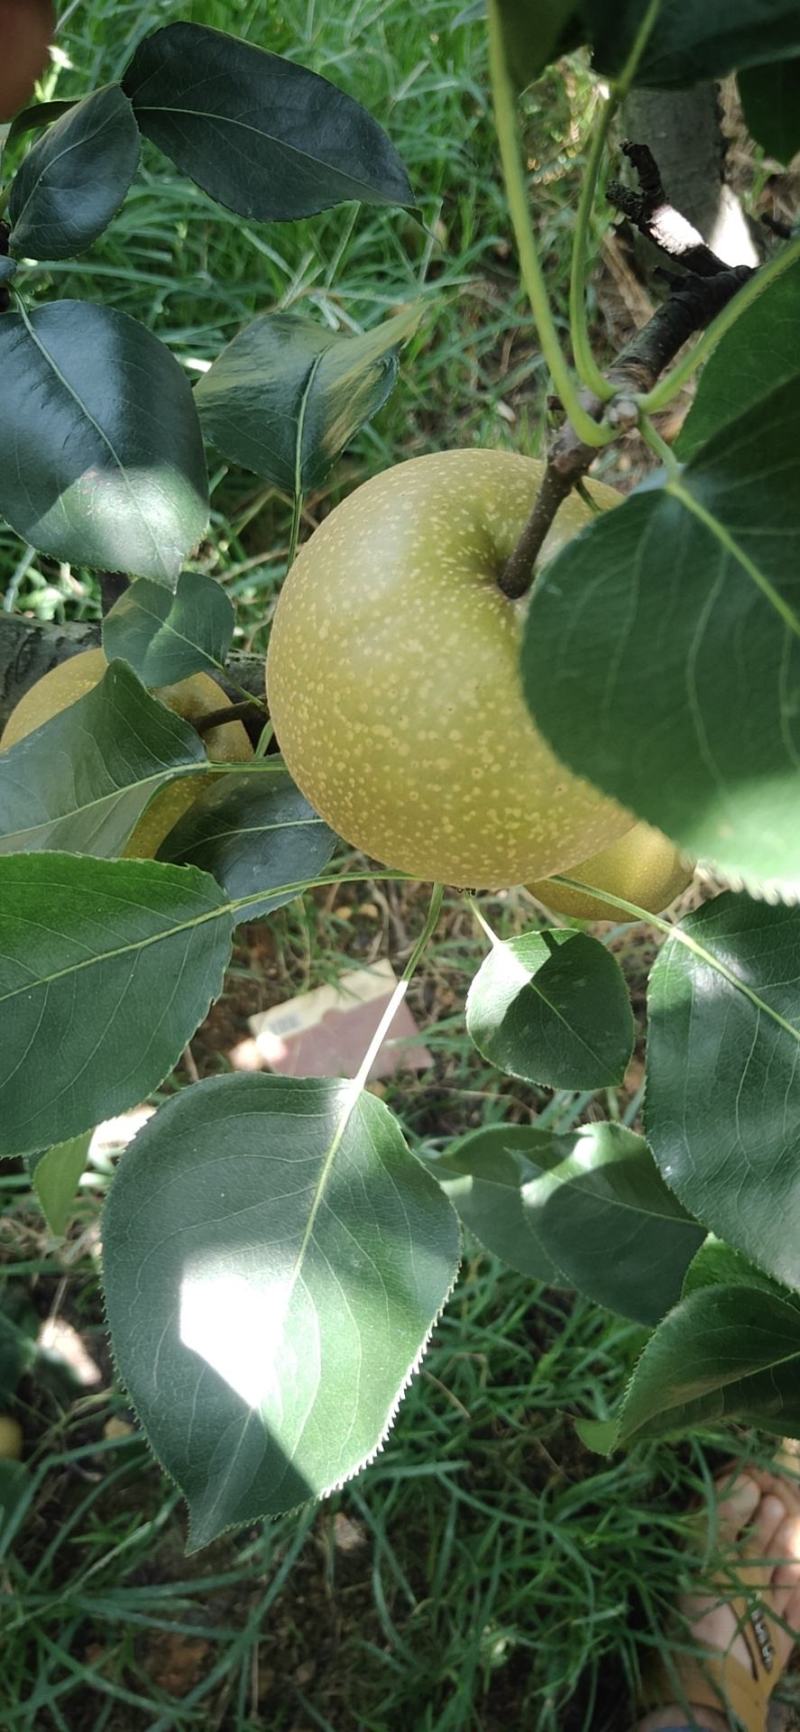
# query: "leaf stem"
[667,388]
[434,910]
[530,265]
[294,532]
[588,370]
[659,446]
[477,914]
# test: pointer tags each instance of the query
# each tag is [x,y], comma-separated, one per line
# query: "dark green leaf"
[81,781]
[551,1007]
[690,42]
[262,135]
[163,636]
[758,354]
[253,833]
[483,1174]
[718,1265]
[101,456]
[275,1260]
[724,1353]
[286,396]
[536,32]
[771,100]
[605,1216]
[56,1174]
[75,178]
[723,1076]
[661,656]
[8,268]
[106,969]
[39,114]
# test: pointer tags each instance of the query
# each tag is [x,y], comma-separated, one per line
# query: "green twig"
[667,388]
[530,266]
[587,367]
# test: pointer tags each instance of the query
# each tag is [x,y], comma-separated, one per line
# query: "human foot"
[748,1626]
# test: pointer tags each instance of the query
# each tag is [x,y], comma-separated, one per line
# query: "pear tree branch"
[695,300]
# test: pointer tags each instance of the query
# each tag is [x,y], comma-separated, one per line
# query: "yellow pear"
[393,679]
[192,698]
[643,866]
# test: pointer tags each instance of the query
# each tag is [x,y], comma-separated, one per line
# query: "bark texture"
[683,129]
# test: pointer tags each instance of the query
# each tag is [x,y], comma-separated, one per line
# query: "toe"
[786,1574]
[739,1496]
[759,1552]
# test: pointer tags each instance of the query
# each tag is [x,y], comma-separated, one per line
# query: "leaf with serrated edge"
[253,833]
[661,656]
[724,1353]
[102,461]
[106,969]
[75,178]
[551,1007]
[83,779]
[603,1213]
[483,1174]
[287,395]
[262,135]
[722,1102]
[275,1260]
[166,636]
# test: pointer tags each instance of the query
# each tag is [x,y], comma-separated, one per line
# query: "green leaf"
[536,32]
[56,1174]
[167,636]
[771,101]
[287,395]
[718,1265]
[263,136]
[39,114]
[605,1216]
[101,456]
[82,780]
[757,355]
[75,178]
[661,655]
[723,1076]
[106,969]
[551,1007]
[483,1173]
[690,42]
[725,1353]
[275,1260]
[598,1434]
[253,833]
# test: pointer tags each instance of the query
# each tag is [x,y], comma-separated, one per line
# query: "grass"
[484,1572]
[196,273]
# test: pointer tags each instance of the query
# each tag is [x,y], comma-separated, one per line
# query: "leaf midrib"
[260,132]
[100,431]
[731,546]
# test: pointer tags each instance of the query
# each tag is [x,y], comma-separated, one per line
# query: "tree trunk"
[683,129]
